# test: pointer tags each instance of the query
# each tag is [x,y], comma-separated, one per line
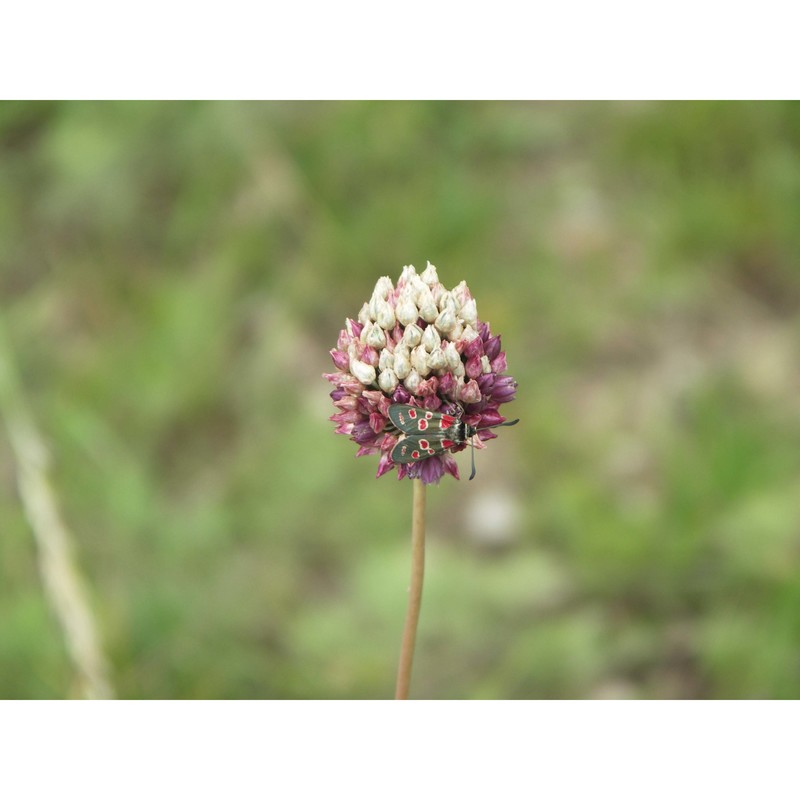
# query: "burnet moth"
[428,433]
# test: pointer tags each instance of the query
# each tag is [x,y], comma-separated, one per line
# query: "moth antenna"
[500,425]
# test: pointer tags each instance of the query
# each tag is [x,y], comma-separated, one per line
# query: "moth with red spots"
[428,433]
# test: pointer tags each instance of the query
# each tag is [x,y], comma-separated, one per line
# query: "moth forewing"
[414,420]
[403,417]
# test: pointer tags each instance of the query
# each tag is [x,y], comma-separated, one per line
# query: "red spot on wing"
[422,424]
[446,421]
[415,454]
[423,443]
[447,443]
[428,415]
[412,413]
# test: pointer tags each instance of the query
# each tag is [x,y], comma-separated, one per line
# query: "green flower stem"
[414,591]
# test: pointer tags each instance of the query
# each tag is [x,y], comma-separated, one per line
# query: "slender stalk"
[414,591]
[61,577]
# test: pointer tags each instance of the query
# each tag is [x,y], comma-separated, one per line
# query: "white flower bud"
[455,334]
[408,275]
[418,285]
[437,290]
[376,337]
[363,315]
[406,311]
[385,315]
[451,356]
[402,363]
[486,366]
[421,291]
[429,275]
[469,312]
[412,381]
[461,293]
[412,335]
[459,370]
[446,321]
[427,305]
[387,380]
[419,360]
[373,307]
[383,288]
[430,338]
[448,301]
[469,334]
[365,331]
[436,360]
[364,373]
[386,360]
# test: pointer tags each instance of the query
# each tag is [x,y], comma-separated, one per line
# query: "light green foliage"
[172,276]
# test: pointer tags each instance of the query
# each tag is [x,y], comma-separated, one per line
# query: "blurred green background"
[172,276]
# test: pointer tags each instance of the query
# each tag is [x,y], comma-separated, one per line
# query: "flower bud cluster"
[416,343]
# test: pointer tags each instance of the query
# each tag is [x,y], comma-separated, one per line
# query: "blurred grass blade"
[62,582]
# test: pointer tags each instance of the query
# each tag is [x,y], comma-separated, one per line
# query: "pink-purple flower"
[420,344]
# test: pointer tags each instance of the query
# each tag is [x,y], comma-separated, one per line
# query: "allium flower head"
[420,344]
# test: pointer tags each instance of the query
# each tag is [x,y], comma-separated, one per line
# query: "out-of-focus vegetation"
[172,276]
